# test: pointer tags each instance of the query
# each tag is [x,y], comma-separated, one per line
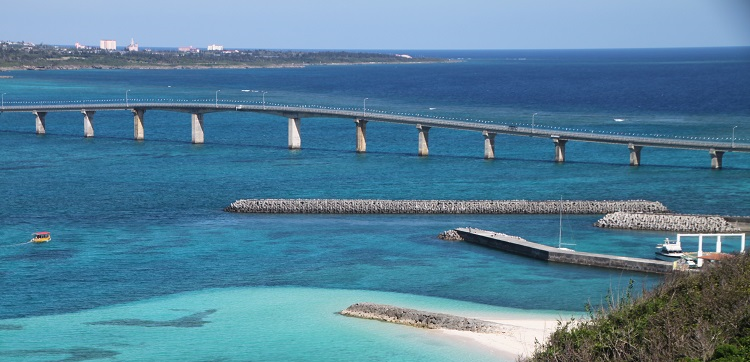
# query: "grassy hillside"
[702,316]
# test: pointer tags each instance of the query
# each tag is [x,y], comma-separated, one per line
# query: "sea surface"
[145,265]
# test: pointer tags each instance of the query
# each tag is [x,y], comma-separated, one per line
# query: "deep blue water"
[133,221]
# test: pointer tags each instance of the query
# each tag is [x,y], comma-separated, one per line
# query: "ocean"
[145,265]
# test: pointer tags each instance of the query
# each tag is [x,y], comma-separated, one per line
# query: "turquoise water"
[139,232]
[260,324]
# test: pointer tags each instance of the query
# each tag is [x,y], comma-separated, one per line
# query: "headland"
[27,56]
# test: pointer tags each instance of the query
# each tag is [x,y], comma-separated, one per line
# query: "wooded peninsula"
[22,55]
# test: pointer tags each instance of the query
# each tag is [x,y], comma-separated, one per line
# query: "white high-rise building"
[133,47]
[108,44]
[215,47]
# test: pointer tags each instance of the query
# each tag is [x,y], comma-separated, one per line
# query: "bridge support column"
[361,135]
[41,126]
[138,123]
[716,158]
[424,138]
[559,149]
[489,145]
[295,140]
[197,127]
[88,123]
[635,154]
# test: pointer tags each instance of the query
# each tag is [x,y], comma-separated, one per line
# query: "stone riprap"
[421,319]
[666,222]
[360,206]
[450,235]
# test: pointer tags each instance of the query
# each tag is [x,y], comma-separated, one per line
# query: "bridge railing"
[452,122]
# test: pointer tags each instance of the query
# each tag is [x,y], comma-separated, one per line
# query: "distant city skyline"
[384,24]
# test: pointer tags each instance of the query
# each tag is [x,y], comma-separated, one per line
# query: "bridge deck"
[374,116]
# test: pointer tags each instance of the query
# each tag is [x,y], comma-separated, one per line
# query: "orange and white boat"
[40,237]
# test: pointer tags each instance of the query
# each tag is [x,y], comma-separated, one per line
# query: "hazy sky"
[382,24]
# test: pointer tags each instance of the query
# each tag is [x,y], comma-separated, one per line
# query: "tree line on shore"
[25,56]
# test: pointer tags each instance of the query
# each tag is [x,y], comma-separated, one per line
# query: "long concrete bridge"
[197,110]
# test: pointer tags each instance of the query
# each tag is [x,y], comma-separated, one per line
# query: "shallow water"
[138,227]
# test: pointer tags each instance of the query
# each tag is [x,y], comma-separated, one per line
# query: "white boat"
[619,119]
[669,251]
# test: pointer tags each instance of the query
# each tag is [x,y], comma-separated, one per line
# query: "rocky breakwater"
[666,222]
[450,235]
[421,319]
[363,206]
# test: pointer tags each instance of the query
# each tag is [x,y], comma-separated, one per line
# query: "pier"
[294,114]
[519,246]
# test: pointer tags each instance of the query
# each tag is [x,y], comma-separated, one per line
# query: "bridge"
[423,124]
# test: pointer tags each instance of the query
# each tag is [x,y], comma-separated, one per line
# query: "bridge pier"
[41,125]
[424,138]
[559,149]
[197,127]
[489,145]
[88,123]
[716,158]
[295,139]
[361,135]
[635,154]
[138,123]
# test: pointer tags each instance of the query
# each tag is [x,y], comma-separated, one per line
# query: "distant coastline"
[224,66]
[27,56]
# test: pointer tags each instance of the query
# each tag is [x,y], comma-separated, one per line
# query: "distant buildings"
[133,47]
[189,49]
[108,44]
[214,47]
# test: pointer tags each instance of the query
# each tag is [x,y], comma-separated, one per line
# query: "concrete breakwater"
[666,222]
[364,206]
[519,246]
[421,319]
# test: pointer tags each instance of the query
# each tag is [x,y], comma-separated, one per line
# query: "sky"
[381,24]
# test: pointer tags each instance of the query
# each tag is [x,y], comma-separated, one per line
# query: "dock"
[520,246]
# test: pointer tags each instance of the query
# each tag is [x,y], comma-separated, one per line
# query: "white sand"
[519,339]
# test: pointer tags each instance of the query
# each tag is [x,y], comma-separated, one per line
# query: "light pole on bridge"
[264,100]
[364,107]
[217,98]
[2,100]
[532,121]
[733,136]
[127,104]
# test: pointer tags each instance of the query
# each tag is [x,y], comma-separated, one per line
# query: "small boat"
[40,237]
[669,251]
[619,119]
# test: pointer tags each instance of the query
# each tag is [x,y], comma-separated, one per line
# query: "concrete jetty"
[666,222]
[363,206]
[421,319]
[520,246]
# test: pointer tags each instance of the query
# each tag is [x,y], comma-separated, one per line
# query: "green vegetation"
[702,316]
[19,55]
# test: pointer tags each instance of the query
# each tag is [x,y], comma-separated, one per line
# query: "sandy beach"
[520,339]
